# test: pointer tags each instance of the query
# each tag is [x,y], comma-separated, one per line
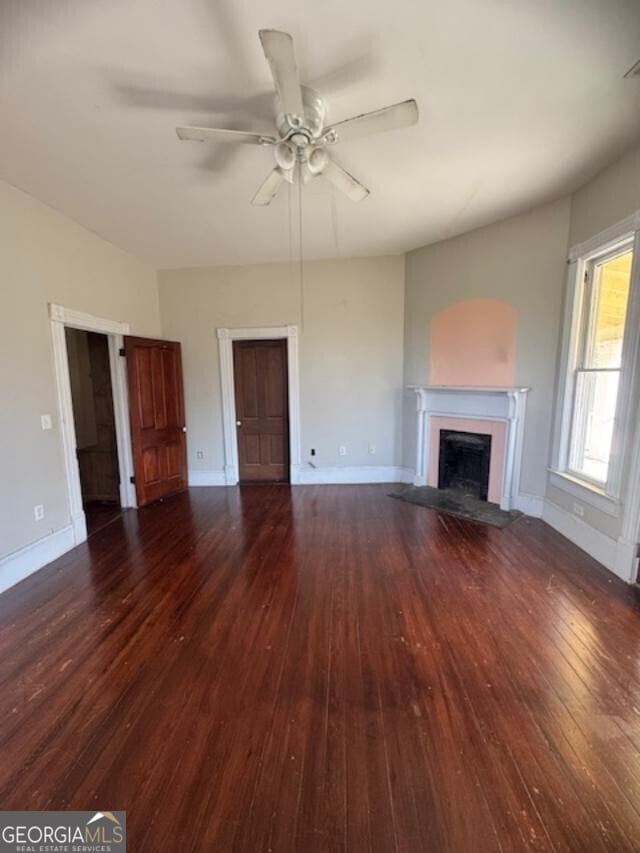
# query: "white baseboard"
[207,478]
[301,475]
[19,565]
[354,474]
[528,504]
[532,505]
[614,555]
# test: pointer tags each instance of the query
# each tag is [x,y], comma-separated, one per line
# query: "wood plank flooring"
[325,669]
[100,513]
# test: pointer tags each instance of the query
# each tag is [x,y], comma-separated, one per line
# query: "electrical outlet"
[343,450]
[46,422]
[38,512]
[372,449]
[578,510]
[312,452]
[199,454]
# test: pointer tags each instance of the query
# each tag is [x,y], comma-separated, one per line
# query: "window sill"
[587,492]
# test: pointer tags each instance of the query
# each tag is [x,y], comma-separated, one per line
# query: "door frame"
[59,319]
[226,337]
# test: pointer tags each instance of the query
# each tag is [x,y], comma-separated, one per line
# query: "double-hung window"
[599,376]
[600,335]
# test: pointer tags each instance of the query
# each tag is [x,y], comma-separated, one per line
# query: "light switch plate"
[46,421]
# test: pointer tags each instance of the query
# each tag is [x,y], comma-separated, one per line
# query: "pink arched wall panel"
[474,343]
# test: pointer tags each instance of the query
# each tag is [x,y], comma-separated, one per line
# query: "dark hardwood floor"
[324,669]
[100,513]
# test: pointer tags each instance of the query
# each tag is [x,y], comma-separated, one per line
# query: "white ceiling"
[520,101]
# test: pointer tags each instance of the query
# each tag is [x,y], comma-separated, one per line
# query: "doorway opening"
[95,426]
[260,373]
[61,319]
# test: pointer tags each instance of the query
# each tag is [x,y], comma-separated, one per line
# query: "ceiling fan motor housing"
[302,130]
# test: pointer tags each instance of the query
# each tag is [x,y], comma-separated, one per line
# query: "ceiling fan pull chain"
[300,246]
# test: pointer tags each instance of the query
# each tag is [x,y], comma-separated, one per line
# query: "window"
[599,345]
[599,354]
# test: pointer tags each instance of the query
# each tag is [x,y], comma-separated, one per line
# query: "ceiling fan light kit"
[302,138]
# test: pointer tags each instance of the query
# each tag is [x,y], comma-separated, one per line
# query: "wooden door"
[262,410]
[156,403]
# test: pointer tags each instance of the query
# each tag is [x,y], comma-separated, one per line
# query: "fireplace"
[495,412]
[463,462]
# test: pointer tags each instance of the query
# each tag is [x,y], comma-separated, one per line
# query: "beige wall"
[44,257]
[593,517]
[609,197]
[520,260]
[350,350]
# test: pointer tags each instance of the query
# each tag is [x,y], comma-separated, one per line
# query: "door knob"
[184,429]
[238,423]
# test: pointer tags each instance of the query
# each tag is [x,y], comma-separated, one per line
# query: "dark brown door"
[156,403]
[262,410]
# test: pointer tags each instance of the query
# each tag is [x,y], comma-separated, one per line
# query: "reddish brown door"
[156,403]
[262,410]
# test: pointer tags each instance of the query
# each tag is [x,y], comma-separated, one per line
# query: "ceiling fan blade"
[344,182]
[269,187]
[214,134]
[278,48]
[396,116]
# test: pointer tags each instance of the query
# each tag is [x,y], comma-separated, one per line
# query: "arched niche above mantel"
[474,343]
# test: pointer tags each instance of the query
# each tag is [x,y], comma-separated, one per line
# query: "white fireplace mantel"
[507,405]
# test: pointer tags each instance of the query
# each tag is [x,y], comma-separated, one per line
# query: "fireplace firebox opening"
[464,462]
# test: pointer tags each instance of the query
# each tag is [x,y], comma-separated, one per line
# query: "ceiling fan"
[302,140]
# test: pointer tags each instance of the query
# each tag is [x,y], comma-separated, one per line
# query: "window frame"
[582,259]
[586,318]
